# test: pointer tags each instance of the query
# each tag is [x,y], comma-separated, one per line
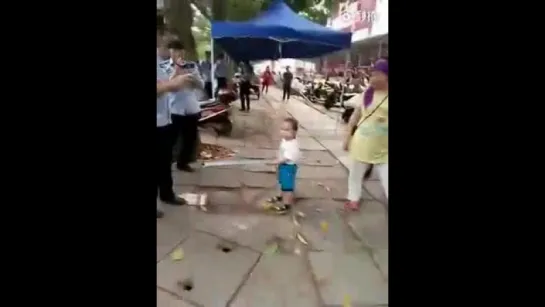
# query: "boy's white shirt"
[289,149]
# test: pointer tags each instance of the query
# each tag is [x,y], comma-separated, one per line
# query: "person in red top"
[267,80]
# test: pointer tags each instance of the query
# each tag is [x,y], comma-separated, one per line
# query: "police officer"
[184,105]
[165,132]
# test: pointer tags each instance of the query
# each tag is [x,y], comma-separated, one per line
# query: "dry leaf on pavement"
[301,239]
[324,226]
[177,254]
[271,249]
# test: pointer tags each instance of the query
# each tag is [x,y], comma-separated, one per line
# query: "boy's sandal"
[280,209]
[274,199]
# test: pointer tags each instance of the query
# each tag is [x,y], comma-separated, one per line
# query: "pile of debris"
[209,152]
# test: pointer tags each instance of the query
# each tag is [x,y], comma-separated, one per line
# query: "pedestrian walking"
[244,87]
[184,106]
[367,140]
[164,132]
[287,78]
[267,79]
[220,72]
[206,70]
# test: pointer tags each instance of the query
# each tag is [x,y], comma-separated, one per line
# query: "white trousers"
[357,170]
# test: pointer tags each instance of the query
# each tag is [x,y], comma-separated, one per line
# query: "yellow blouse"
[370,141]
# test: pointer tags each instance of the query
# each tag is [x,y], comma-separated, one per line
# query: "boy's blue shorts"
[286,177]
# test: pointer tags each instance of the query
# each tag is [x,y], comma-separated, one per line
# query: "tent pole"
[212,67]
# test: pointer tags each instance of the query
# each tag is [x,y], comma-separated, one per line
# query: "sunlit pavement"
[237,254]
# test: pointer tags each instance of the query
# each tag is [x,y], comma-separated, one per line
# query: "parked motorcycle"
[217,114]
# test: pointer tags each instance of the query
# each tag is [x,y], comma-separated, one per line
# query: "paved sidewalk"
[235,254]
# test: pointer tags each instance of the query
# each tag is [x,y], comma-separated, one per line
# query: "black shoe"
[185,168]
[175,201]
[160,214]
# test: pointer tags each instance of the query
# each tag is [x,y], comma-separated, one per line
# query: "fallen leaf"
[324,186]
[177,254]
[301,239]
[295,221]
[324,225]
[271,249]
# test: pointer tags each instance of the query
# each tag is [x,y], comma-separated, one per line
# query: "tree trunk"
[180,20]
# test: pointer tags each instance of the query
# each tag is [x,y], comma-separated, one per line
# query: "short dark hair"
[175,44]
[221,56]
[293,122]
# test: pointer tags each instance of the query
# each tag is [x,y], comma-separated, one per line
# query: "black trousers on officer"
[208,89]
[245,95]
[222,83]
[287,91]
[164,141]
[186,128]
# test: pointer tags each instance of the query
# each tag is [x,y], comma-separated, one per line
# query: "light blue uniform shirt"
[185,102]
[163,113]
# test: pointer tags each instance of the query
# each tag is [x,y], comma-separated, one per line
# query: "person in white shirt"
[206,70]
[184,105]
[288,156]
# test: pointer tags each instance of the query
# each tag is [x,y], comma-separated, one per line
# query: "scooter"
[216,114]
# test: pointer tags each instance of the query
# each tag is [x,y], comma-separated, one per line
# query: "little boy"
[288,156]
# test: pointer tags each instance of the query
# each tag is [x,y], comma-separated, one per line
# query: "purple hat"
[382,66]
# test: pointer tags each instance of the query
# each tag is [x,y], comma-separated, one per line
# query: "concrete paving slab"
[336,236]
[381,257]
[168,300]
[184,178]
[257,153]
[308,143]
[254,231]
[328,189]
[372,228]
[172,229]
[206,275]
[278,280]
[375,189]
[317,158]
[322,172]
[259,180]
[220,178]
[355,275]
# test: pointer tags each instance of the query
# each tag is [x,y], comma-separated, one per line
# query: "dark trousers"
[208,89]
[186,128]
[245,95]
[165,140]
[222,83]
[287,92]
[265,88]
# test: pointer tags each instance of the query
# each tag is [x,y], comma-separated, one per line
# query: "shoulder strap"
[371,113]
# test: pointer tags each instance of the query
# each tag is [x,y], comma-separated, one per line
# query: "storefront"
[368,22]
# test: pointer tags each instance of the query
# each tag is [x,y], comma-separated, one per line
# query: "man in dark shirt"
[287,77]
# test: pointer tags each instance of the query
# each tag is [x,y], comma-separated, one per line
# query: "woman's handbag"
[369,170]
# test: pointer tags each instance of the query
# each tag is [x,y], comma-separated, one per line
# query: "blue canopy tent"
[277,33]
